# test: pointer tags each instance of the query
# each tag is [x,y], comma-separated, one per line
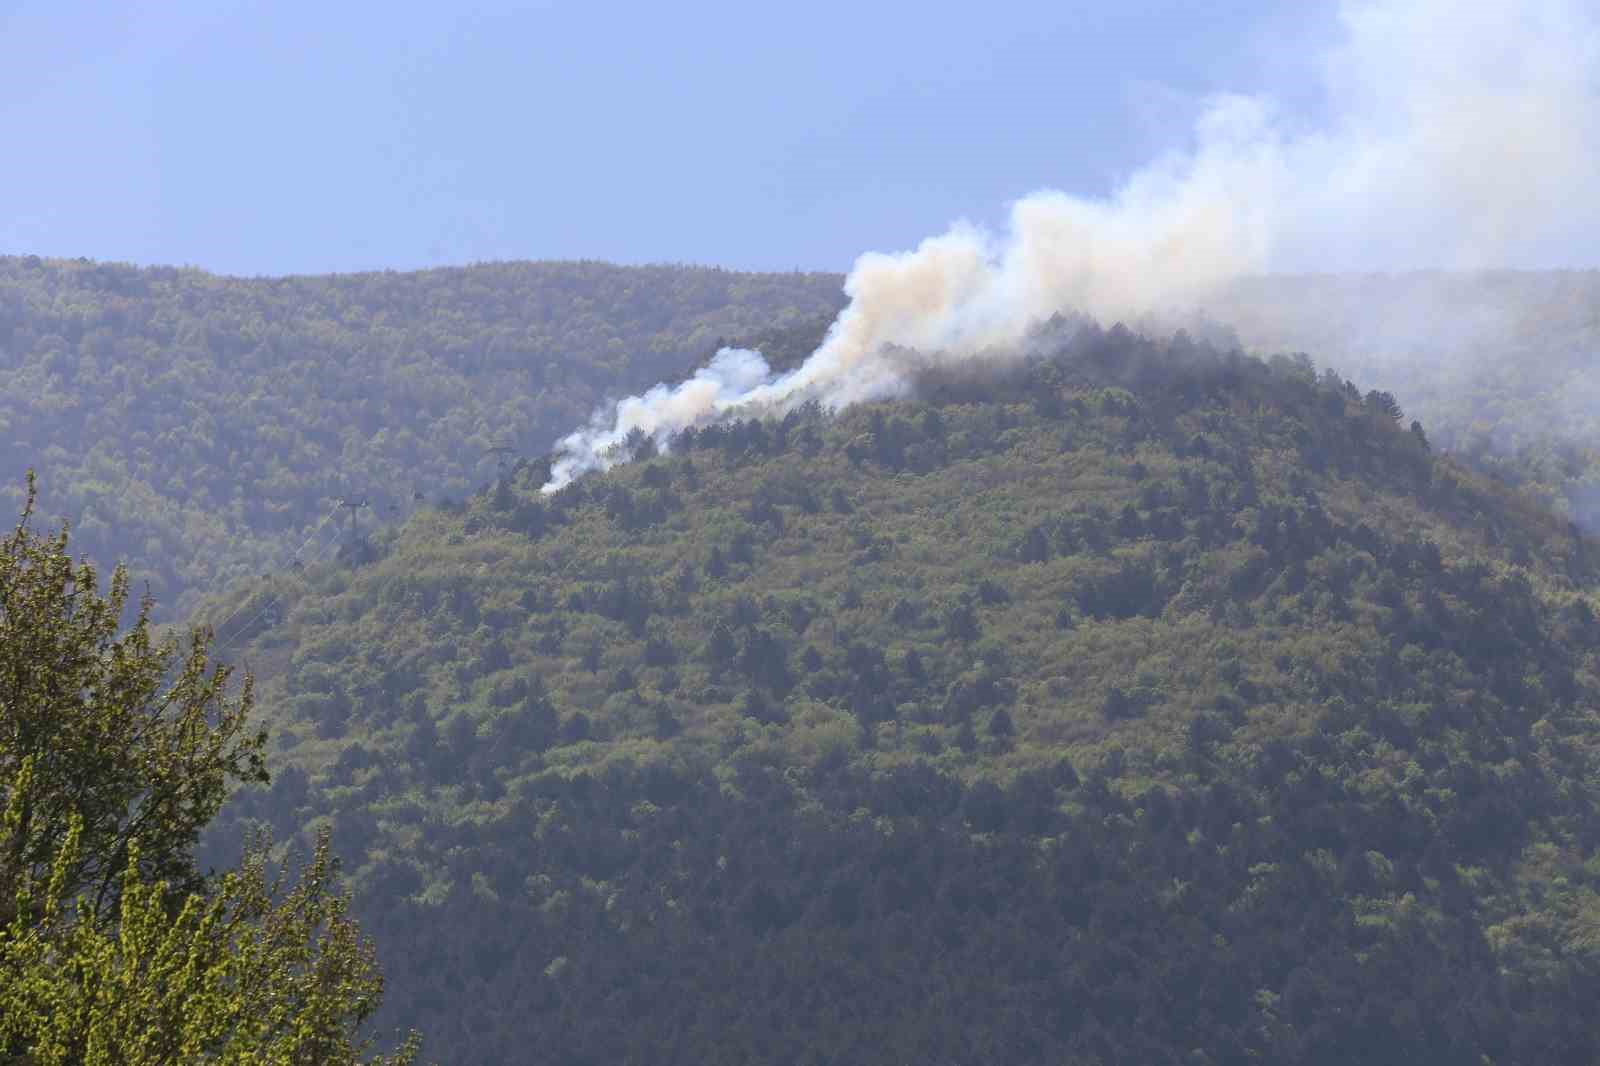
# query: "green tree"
[256,972]
[132,736]
[114,754]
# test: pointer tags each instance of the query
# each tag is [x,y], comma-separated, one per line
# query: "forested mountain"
[1145,703]
[204,427]
[1500,365]
[201,427]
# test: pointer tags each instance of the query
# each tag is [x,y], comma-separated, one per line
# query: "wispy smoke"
[1454,136]
[720,386]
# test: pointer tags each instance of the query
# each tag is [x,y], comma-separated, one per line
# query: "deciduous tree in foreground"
[113,756]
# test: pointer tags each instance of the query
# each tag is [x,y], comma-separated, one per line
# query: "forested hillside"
[201,427]
[1500,365]
[1146,703]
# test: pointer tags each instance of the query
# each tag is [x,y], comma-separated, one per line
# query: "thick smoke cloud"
[1453,136]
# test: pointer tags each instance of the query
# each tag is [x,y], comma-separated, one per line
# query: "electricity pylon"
[502,450]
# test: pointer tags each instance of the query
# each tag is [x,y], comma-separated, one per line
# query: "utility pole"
[353,504]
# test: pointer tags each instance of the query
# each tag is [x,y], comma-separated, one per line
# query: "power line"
[273,600]
[220,626]
[353,504]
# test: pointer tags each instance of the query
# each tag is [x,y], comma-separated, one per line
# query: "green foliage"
[198,427]
[1498,365]
[256,973]
[134,739]
[1142,699]
[1138,702]
[114,754]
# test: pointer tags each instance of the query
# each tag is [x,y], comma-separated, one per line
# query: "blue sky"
[290,137]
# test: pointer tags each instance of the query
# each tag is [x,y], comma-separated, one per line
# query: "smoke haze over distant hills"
[1453,138]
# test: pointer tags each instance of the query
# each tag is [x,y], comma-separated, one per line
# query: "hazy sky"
[304,137]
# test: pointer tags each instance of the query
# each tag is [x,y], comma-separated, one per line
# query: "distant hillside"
[1152,704]
[201,426]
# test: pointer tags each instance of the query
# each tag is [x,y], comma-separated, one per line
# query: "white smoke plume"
[1454,136]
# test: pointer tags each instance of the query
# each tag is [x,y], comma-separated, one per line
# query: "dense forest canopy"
[199,427]
[1136,700]
[202,428]
[1147,703]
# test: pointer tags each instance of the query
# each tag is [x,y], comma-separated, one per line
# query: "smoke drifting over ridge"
[1454,136]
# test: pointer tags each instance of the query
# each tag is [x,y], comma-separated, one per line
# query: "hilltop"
[1499,364]
[200,427]
[1144,702]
